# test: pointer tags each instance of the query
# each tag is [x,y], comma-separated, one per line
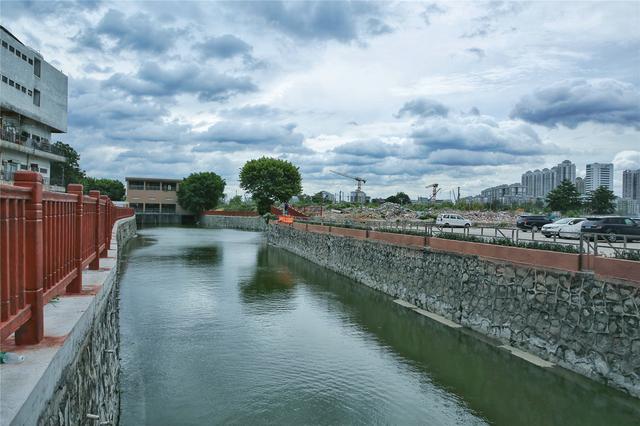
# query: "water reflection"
[219,329]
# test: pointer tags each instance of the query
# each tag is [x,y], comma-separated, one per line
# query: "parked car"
[533,222]
[553,229]
[572,229]
[452,220]
[612,226]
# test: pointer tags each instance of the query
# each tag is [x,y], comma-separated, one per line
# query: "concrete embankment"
[246,223]
[71,378]
[587,324]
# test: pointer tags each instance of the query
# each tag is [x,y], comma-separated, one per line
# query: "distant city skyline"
[402,94]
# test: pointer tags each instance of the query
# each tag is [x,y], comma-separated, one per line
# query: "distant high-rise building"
[631,184]
[539,183]
[565,171]
[580,185]
[599,174]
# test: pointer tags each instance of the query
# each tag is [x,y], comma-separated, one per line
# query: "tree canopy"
[201,191]
[601,201]
[110,187]
[270,180]
[399,198]
[69,171]
[565,197]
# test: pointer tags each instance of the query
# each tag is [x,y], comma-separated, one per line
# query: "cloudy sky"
[403,94]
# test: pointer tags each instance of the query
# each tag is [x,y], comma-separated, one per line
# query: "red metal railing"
[46,240]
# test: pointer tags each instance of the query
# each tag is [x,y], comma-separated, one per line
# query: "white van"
[452,220]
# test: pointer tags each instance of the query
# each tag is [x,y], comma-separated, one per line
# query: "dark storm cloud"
[137,32]
[207,84]
[475,134]
[376,27]
[44,9]
[423,107]
[431,10]
[319,20]
[369,148]
[223,47]
[476,51]
[572,102]
[233,135]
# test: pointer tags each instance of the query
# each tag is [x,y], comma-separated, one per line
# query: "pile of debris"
[394,212]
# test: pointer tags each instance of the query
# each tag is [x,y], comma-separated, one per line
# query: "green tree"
[564,197]
[270,180]
[601,201]
[200,191]
[399,198]
[238,204]
[69,171]
[110,187]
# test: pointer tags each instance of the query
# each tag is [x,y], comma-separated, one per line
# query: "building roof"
[152,179]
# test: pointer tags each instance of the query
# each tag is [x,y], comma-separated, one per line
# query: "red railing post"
[95,264]
[75,286]
[32,331]
[105,231]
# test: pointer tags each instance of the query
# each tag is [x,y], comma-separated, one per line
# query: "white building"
[598,174]
[33,105]
[631,184]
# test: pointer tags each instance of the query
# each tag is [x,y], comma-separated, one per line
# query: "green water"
[218,328]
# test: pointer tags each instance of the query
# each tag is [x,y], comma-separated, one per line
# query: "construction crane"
[434,192]
[359,180]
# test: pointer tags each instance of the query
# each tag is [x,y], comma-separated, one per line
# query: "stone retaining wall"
[255,223]
[583,323]
[87,380]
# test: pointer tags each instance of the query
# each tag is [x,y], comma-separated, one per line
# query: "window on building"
[24,57]
[4,44]
[138,207]
[44,171]
[11,83]
[18,54]
[136,184]
[168,186]
[23,167]
[4,79]
[17,86]
[168,208]
[29,92]
[24,89]
[36,66]
[36,97]
[152,208]
[11,49]
[152,186]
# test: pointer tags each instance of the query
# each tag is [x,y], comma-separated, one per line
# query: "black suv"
[612,226]
[533,222]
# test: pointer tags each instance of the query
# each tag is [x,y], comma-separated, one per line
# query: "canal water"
[218,328]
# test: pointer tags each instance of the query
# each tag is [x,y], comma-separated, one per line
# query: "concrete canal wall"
[74,372]
[247,223]
[586,324]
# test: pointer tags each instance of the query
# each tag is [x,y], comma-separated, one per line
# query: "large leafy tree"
[69,171]
[399,198]
[110,187]
[565,197]
[201,191]
[270,180]
[601,201]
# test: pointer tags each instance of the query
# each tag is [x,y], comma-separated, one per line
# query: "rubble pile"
[394,212]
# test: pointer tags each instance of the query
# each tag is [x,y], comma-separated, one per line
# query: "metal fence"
[625,246]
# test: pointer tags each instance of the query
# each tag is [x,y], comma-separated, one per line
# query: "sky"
[402,94]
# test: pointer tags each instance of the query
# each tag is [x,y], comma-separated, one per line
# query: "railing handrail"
[489,233]
[59,234]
